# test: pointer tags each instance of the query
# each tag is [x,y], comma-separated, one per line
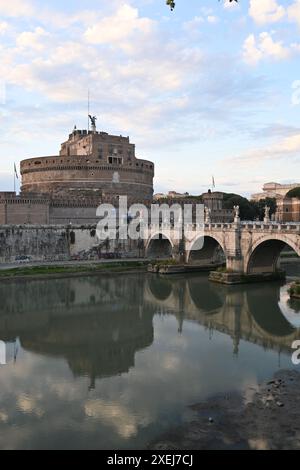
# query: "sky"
[210,89]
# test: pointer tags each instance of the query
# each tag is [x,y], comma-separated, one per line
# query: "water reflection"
[108,362]
[289,307]
[98,324]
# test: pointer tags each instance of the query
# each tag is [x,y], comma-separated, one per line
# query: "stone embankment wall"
[59,243]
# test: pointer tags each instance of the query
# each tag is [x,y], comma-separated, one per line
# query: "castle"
[91,168]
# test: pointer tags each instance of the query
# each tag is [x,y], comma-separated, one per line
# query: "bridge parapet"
[272,226]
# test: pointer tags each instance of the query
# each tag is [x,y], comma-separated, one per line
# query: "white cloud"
[3,27]
[118,27]
[148,80]
[195,25]
[294,12]
[32,39]
[252,55]
[266,11]
[16,8]
[265,47]
[286,147]
[115,415]
[212,19]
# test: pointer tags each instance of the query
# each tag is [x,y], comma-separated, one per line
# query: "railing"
[244,225]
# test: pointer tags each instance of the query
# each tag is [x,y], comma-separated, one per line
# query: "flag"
[213,182]
[16,173]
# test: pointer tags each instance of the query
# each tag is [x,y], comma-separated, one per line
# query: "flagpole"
[14,178]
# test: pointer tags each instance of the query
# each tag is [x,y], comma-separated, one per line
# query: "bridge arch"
[161,289]
[266,314]
[211,251]
[264,253]
[207,297]
[159,245]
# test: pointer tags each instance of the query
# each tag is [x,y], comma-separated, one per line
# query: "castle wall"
[2,214]
[19,211]
[59,243]
[63,177]
[63,215]
[41,243]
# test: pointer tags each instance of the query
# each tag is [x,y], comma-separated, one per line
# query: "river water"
[112,362]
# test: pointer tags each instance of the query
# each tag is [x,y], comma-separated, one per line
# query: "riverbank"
[71,269]
[263,418]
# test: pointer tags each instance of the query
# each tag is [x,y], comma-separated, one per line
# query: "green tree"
[247,211]
[259,207]
[294,193]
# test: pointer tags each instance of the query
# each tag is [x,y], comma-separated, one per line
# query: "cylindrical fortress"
[90,165]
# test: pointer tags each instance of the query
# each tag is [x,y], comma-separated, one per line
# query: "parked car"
[23,259]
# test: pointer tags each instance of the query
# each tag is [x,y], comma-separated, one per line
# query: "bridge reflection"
[98,324]
[259,313]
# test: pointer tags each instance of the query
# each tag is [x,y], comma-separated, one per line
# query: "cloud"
[265,47]
[32,39]
[16,8]
[3,27]
[116,415]
[212,19]
[148,78]
[119,27]
[194,26]
[266,11]
[294,12]
[287,147]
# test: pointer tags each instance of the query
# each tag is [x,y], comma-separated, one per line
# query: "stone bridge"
[246,247]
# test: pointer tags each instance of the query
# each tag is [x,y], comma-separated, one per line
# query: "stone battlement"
[90,161]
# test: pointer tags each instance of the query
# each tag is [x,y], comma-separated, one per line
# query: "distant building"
[212,200]
[274,190]
[288,210]
[170,195]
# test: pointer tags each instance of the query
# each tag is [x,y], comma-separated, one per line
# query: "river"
[114,361]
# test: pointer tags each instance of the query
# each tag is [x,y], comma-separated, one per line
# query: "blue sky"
[211,88]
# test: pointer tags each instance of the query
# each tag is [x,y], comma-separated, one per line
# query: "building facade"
[274,190]
[288,210]
[211,200]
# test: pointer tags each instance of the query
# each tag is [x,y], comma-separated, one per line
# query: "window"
[115,160]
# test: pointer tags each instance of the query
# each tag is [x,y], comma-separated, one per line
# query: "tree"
[171,3]
[247,211]
[294,193]
[259,207]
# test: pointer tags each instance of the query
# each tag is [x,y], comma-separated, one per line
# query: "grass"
[164,262]
[46,270]
[223,269]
